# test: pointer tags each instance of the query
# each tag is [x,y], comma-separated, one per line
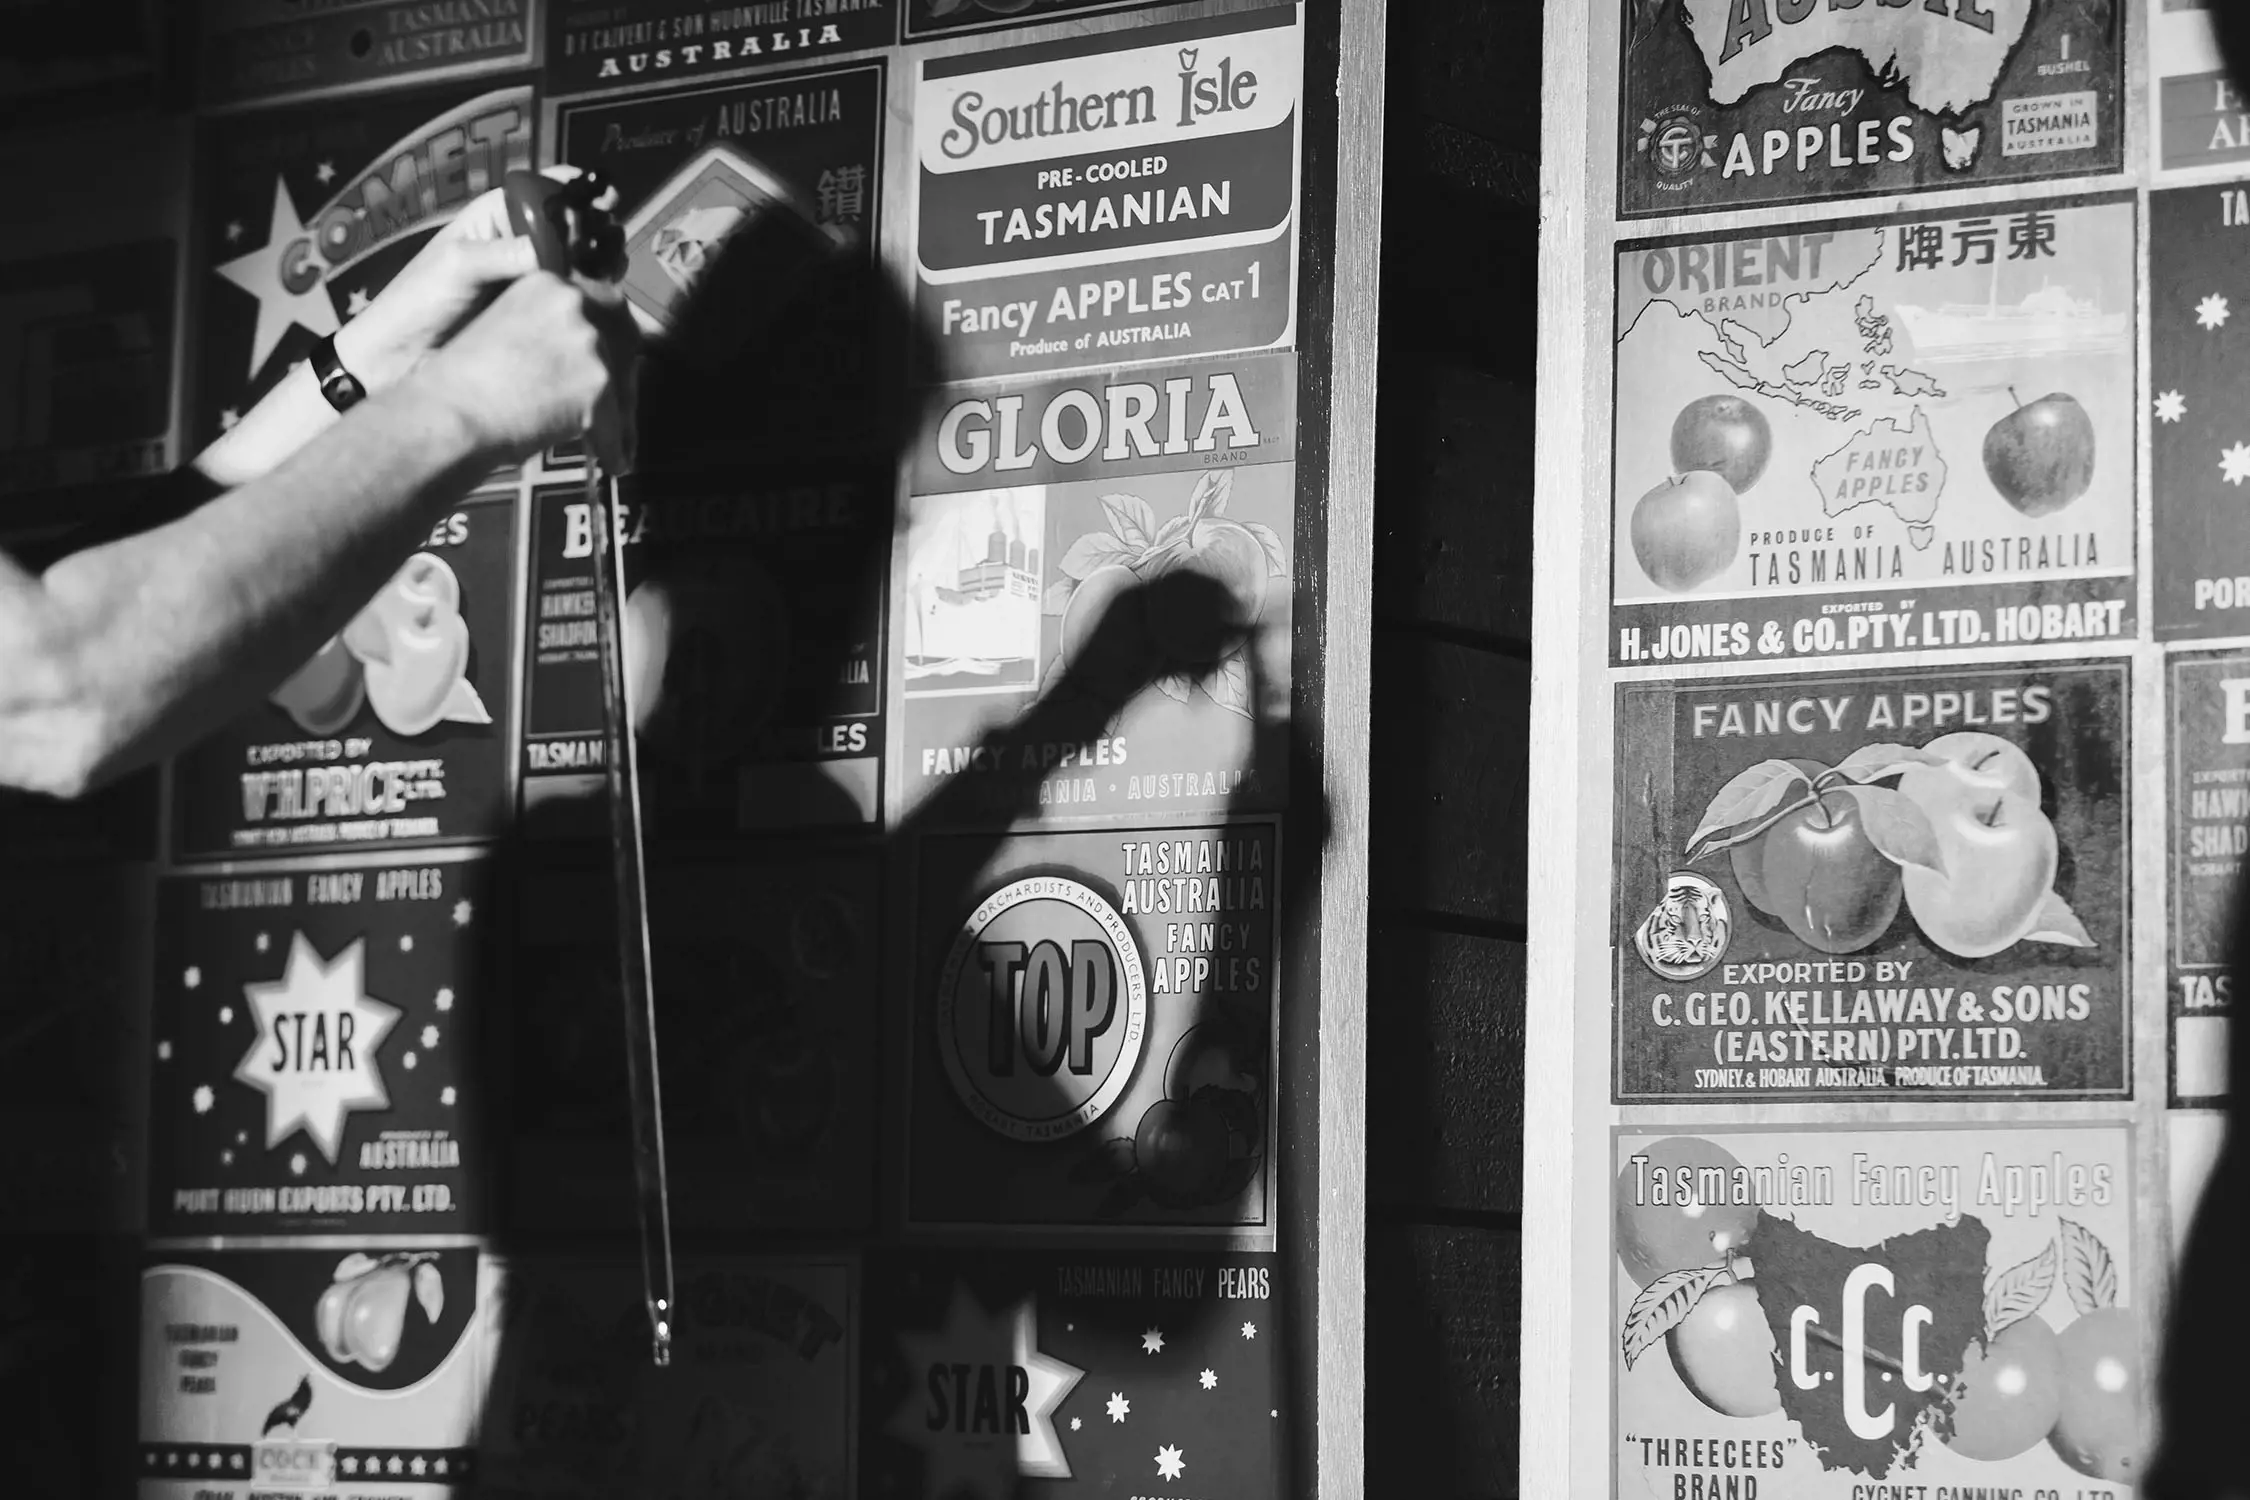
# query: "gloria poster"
[1729,103]
[2208,708]
[1869,884]
[2201,119]
[600,44]
[1839,1311]
[1096,596]
[1911,434]
[1125,195]
[2199,438]
[316,1035]
[1093,1032]
[260,51]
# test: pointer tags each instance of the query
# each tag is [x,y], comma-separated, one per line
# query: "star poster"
[312,1051]
[2199,421]
[1027,1376]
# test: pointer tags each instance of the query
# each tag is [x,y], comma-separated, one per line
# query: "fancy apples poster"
[330,1369]
[1072,1372]
[315,1045]
[1873,885]
[2206,832]
[1839,1311]
[255,52]
[1731,103]
[595,45]
[1909,434]
[1093,1028]
[393,732]
[2199,434]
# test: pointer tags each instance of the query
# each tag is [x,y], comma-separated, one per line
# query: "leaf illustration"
[1276,557]
[1897,827]
[1662,1304]
[2055,922]
[1874,762]
[354,1266]
[1170,532]
[1096,549]
[1211,494]
[2018,1292]
[429,1290]
[1057,597]
[1228,685]
[1131,518]
[1750,796]
[2088,1273]
[1175,686]
[1107,1162]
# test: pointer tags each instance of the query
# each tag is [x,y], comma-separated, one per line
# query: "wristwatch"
[342,388]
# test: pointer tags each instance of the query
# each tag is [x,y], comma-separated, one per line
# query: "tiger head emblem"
[1686,933]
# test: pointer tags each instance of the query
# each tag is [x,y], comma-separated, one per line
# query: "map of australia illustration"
[1945,69]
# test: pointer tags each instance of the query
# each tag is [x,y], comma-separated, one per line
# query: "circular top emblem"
[1674,143]
[1042,1009]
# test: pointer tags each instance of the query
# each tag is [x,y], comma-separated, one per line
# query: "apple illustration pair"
[1687,530]
[1722,1347]
[361,1315]
[1201,1143]
[405,655]
[2040,457]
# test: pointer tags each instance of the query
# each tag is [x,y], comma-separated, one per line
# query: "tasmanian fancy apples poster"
[2208,708]
[1729,103]
[1873,883]
[2199,430]
[1909,434]
[1832,1312]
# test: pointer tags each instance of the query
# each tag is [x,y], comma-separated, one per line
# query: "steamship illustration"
[2047,321]
[976,618]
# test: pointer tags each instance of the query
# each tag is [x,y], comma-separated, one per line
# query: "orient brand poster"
[2200,118]
[2199,435]
[1730,103]
[758,1399]
[316,1036]
[86,365]
[1093,1028]
[260,51]
[2208,709]
[1911,434]
[754,637]
[601,44]
[767,988]
[1065,1373]
[1126,195]
[1839,1311]
[351,1372]
[394,732]
[1873,884]
[1097,584]
[305,214]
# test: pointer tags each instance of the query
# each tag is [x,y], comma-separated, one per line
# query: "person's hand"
[548,361]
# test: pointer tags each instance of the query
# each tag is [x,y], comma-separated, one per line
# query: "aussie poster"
[2199,440]
[594,45]
[1873,884]
[263,51]
[1905,435]
[2208,830]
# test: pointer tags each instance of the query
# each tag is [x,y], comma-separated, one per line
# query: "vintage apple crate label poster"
[1068,1372]
[767,989]
[393,732]
[1120,196]
[1839,1311]
[331,1371]
[86,365]
[316,1037]
[2200,118]
[604,44]
[757,1401]
[1728,103]
[1097,594]
[2208,795]
[305,214]
[751,213]
[259,51]
[1093,1031]
[1911,434]
[754,636]
[1874,883]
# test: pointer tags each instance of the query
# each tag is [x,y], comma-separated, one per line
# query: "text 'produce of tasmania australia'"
[1728,103]
[1912,434]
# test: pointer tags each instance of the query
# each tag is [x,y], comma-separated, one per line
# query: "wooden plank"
[1445,1071]
[1443,1305]
[1453,541]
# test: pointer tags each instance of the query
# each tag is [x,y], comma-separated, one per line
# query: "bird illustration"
[288,1412]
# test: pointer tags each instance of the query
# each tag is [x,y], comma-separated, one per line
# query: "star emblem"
[462,911]
[234,230]
[1152,1342]
[314,1054]
[297,1163]
[406,942]
[1249,1330]
[1209,1380]
[2211,311]
[444,998]
[1075,1424]
[974,1349]
[325,173]
[409,1060]
[226,1157]
[2234,463]
[2171,406]
[202,1098]
[226,1015]
[429,1037]
[349,1464]
[164,1051]
[228,418]
[262,942]
[445,1096]
[193,978]
[398,1465]
[357,302]
[418,1466]
[259,273]
[1118,1406]
[1169,1463]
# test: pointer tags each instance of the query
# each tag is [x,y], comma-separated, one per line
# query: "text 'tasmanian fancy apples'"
[1664,1225]
[2040,457]
[1687,530]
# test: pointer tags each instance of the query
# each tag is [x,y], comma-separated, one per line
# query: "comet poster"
[593,45]
[1097,583]
[393,733]
[263,51]
[1128,195]
[1872,885]
[315,1045]
[1736,103]
[1837,1311]
[2199,115]
[2208,782]
[1911,434]
[1094,1028]
[1073,1373]
[338,1370]
[2199,438]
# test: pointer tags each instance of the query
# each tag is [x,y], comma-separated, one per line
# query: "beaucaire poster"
[1093,1033]
[1097,595]
[1068,1373]
[2199,434]
[2208,709]
[345,1372]
[393,733]
[602,44]
[1126,195]
[259,51]
[757,1401]
[86,365]
[1729,103]
[2200,117]
[754,638]
[315,1051]
[305,214]
[768,991]
[1869,884]
[1839,1312]
[935,18]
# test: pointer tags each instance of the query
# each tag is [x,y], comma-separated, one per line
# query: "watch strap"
[343,389]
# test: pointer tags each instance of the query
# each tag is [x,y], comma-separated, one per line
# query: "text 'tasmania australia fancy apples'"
[1866,883]
[1841,1312]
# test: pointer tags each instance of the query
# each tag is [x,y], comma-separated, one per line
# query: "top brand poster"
[2200,117]
[1729,103]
